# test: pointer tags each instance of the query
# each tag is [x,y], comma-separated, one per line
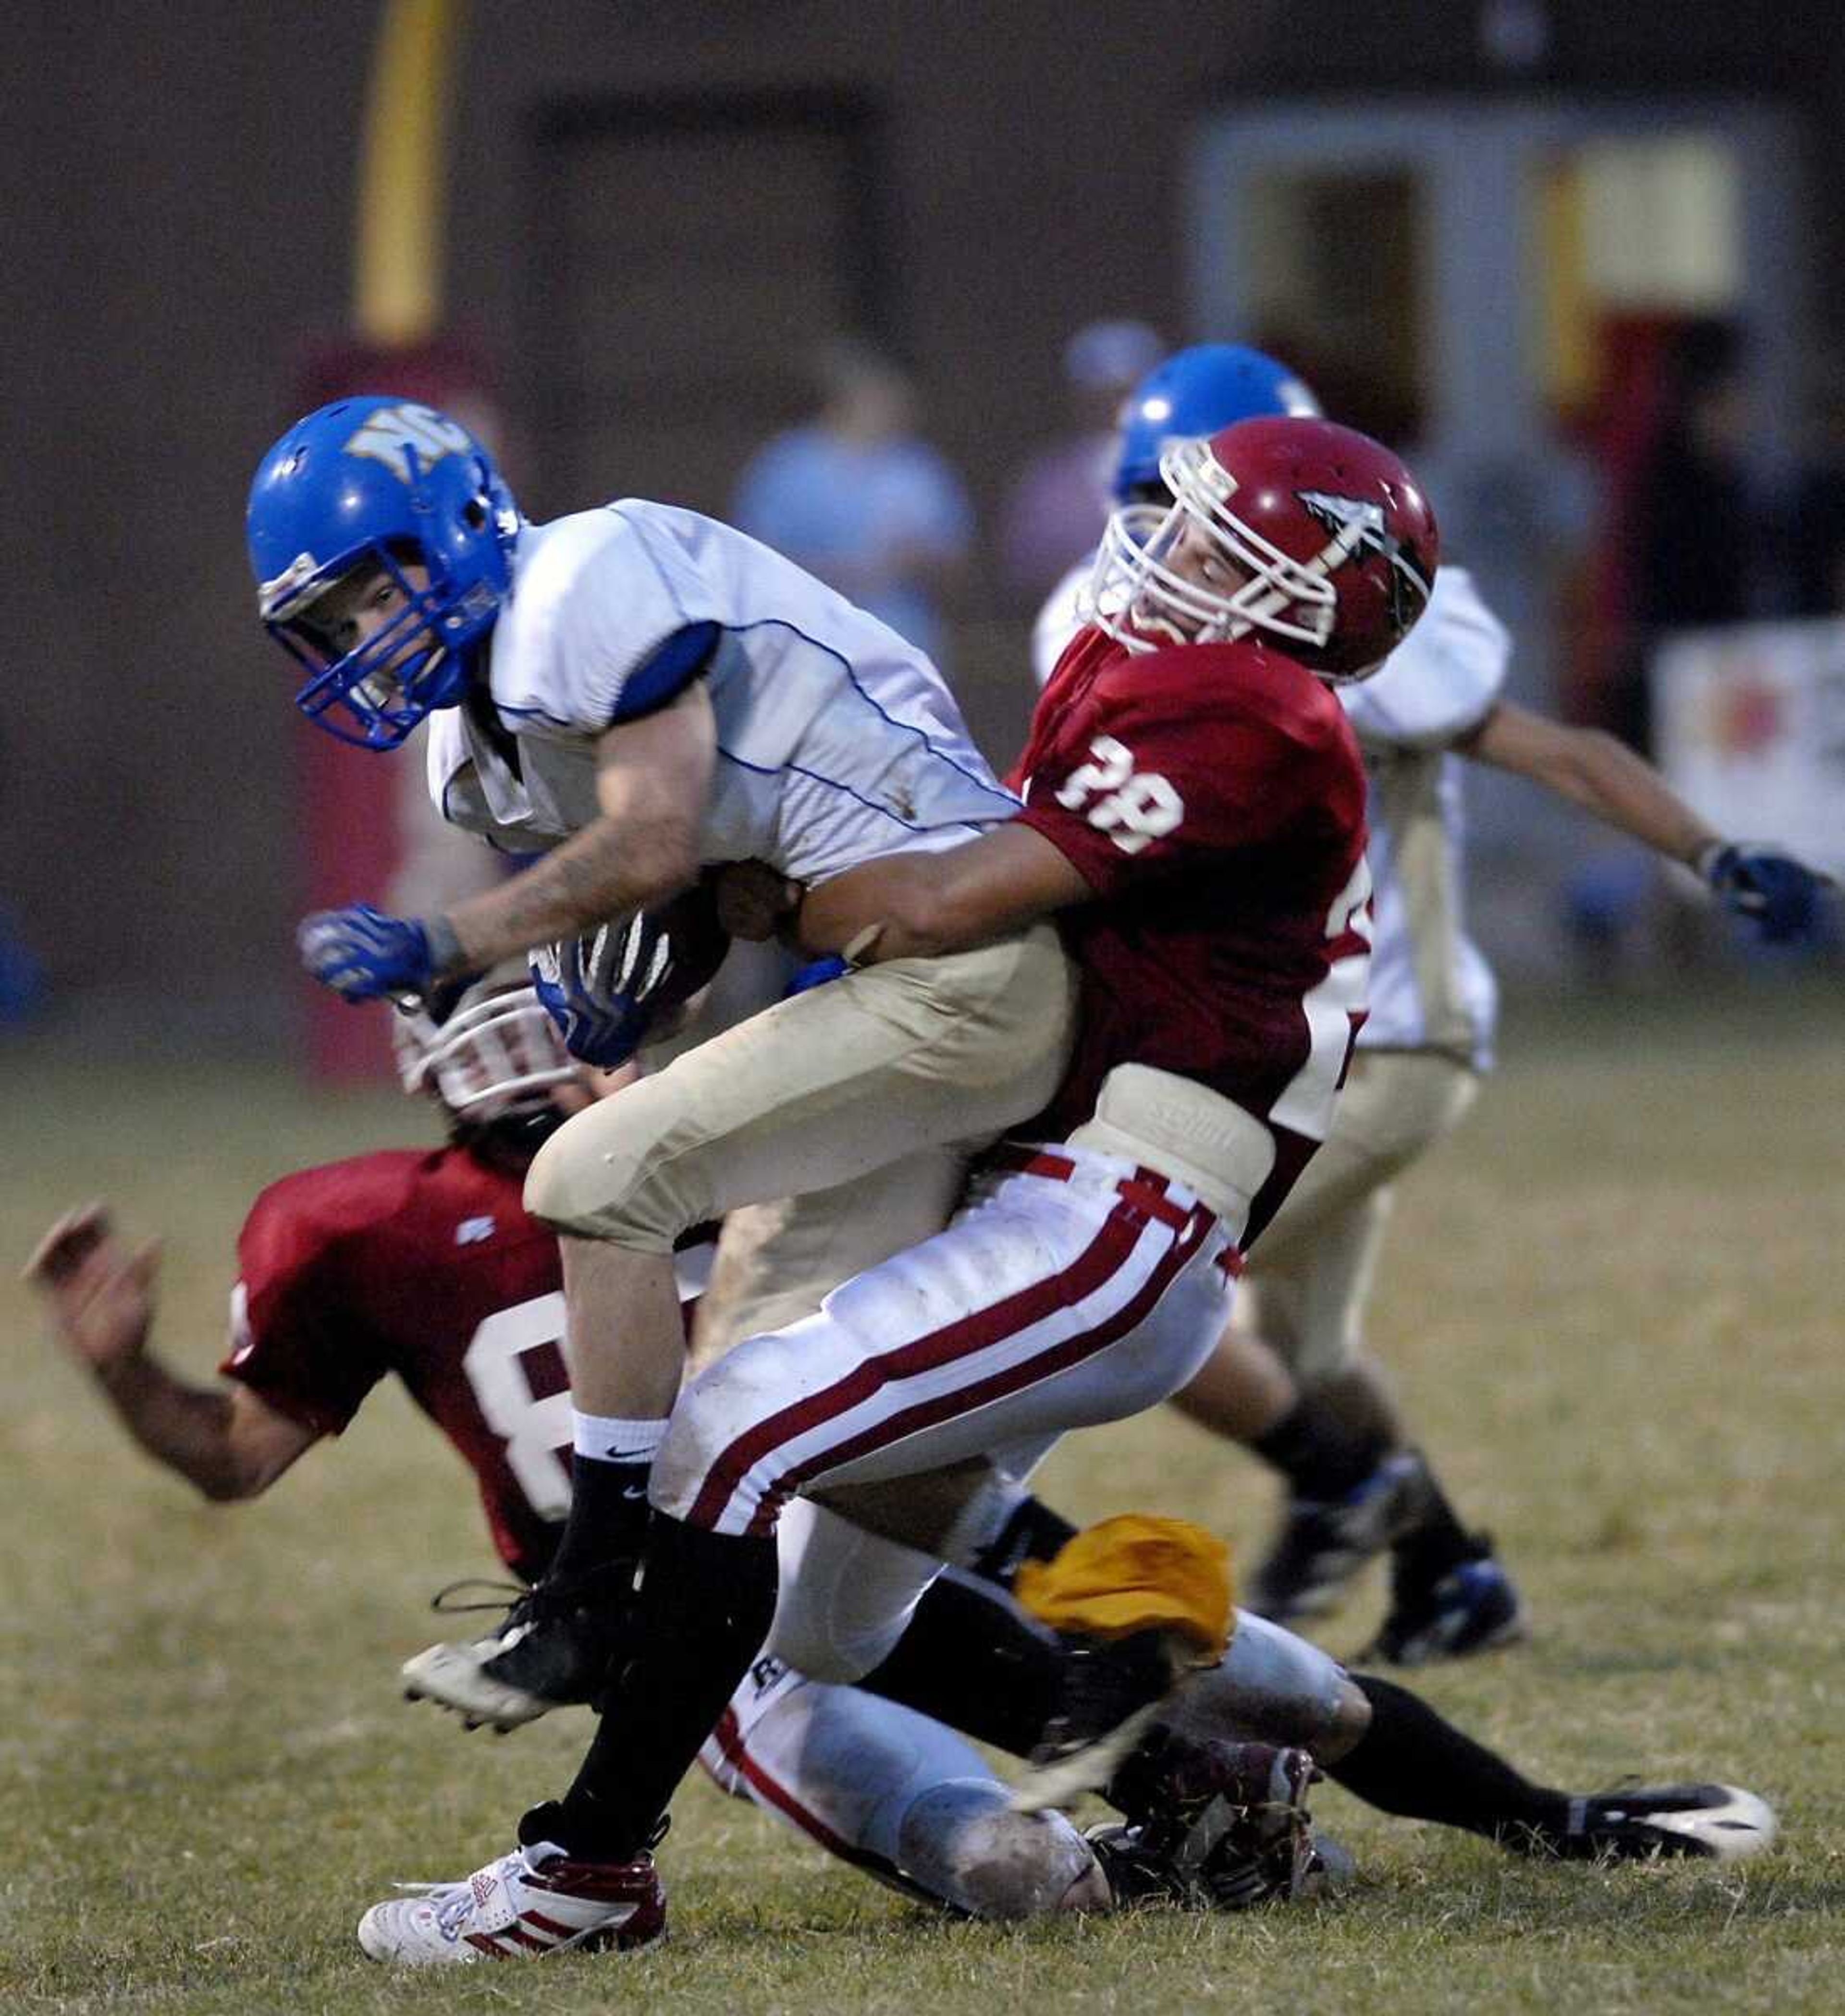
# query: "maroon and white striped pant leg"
[1073,1290]
[890,1793]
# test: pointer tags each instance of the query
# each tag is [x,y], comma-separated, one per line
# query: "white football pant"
[1074,1288]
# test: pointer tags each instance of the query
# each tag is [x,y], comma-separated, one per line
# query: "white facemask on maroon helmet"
[496,1055]
[1311,536]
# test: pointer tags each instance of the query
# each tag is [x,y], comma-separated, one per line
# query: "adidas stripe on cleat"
[534,1902]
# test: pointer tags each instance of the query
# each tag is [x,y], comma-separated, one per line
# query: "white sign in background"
[1750,724]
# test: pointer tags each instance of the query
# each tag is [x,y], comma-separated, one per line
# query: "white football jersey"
[1430,988]
[838,742]
[1058,621]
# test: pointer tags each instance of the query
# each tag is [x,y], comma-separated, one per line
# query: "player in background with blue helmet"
[1193,392]
[1292,1380]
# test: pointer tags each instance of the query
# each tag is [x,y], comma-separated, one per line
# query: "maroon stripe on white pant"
[997,1386]
[1094,1266]
[730,1737]
[1104,1257]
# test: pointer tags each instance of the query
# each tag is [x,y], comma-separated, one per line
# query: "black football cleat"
[554,1648]
[1324,1543]
[1109,1692]
[1472,1608]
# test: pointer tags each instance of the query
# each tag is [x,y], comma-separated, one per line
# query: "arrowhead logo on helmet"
[1296,532]
[1358,527]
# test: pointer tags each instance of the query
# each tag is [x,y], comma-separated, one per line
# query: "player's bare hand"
[101,1295]
[753,900]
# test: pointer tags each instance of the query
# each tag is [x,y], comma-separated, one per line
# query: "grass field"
[1613,1301]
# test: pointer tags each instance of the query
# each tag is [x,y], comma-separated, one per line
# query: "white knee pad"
[963,1841]
[847,1595]
[744,1388]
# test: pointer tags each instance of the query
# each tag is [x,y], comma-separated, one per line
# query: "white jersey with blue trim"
[838,742]
[1430,987]
[1059,620]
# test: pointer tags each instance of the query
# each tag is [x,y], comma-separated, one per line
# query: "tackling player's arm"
[910,906]
[226,1440]
[1593,770]
[652,775]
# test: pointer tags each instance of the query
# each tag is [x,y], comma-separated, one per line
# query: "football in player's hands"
[753,899]
[607,990]
[698,941]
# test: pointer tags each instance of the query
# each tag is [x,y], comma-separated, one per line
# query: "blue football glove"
[363,955]
[815,974]
[1777,894]
[596,989]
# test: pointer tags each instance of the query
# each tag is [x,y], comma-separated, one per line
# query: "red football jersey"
[424,1265]
[1213,796]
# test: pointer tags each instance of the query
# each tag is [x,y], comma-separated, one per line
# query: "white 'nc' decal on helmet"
[390,434]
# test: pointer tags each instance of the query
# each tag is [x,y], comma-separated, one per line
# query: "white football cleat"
[1723,1823]
[533,1902]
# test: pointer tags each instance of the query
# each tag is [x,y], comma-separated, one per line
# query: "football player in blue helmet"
[380,500]
[1197,392]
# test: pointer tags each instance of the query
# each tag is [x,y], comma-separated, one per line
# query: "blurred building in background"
[1478,226]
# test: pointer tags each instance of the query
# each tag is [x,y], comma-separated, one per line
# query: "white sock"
[607,1438]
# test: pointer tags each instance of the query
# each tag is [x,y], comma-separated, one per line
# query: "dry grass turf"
[1613,1303]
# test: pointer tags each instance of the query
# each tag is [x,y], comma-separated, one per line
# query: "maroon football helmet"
[1311,534]
[489,1055]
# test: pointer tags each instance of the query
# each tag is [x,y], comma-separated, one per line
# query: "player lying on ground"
[1291,1379]
[319,1317]
[1224,952]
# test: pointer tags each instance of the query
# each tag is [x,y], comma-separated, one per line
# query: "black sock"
[1321,1457]
[1412,1762]
[1032,1532]
[706,1602]
[974,1660]
[1438,1542]
[608,1517]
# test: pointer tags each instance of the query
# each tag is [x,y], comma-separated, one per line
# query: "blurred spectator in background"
[1057,505]
[22,979]
[856,498]
[1694,554]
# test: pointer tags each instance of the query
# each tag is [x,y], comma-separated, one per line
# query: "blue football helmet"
[1196,392]
[379,484]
